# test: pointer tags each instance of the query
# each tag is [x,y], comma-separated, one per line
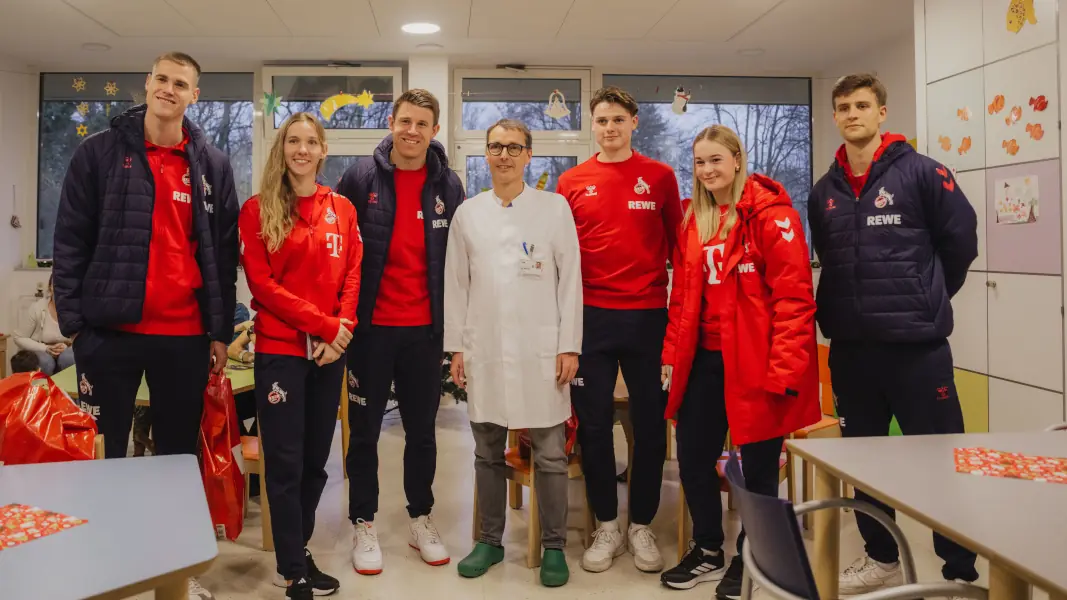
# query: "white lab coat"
[511,325]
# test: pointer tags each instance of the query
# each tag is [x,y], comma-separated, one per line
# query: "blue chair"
[775,558]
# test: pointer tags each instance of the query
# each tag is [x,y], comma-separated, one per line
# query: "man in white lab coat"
[513,318]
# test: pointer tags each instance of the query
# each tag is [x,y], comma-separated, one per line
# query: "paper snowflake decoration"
[111,88]
[78,85]
[83,108]
[82,130]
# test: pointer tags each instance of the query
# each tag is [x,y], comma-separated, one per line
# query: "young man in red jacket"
[627,211]
[405,196]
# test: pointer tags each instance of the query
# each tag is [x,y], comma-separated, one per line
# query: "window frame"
[461,150]
[267,75]
[585,76]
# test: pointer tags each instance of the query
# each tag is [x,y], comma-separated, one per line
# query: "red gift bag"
[39,423]
[571,429]
[221,460]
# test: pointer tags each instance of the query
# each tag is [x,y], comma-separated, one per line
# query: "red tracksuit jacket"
[767,317]
[312,281]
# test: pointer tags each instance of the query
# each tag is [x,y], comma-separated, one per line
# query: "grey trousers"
[550,476]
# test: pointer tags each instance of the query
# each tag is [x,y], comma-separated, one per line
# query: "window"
[771,115]
[335,167]
[542,172]
[542,104]
[353,102]
[76,105]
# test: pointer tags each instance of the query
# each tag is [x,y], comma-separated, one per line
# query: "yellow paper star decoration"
[83,108]
[365,99]
[82,130]
[78,85]
[111,88]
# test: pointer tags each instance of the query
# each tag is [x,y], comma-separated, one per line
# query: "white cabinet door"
[1026,329]
[1015,407]
[969,333]
[950,54]
[973,185]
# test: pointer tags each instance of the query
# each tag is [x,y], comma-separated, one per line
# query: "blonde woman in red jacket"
[301,250]
[740,352]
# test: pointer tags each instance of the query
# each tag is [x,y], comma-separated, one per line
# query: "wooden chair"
[521,474]
[254,464]
[98,447]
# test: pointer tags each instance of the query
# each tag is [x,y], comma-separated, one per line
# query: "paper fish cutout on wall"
[1035,130]
[1020,12]
[946,142]
[334,103]
[996,105]
[965,145]
[557,105]
[1013,116]
[681,100]
[1010,146]
[964,113]
[1039,104]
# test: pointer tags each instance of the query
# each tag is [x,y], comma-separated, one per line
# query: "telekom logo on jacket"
[333,244]
[713,256]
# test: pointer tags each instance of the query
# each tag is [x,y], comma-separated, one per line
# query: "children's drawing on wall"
[1010,146]
[996,105]
[1017,200]
[1035,130]
[1039,104]
[1020,12]
[945,142]
[681,100]
[964,114]
[557,105]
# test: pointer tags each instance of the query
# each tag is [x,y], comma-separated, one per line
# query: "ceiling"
[789,37]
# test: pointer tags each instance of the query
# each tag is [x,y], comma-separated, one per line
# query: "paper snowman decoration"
[681,100]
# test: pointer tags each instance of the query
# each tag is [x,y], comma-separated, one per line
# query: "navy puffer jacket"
[104,226]
[893,257]
[369,185]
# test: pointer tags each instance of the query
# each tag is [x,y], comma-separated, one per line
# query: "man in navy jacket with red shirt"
[405,196]
[627,211]
[146,264]
[895,235]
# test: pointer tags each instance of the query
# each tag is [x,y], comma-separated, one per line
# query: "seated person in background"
[242,348]
[39,334]
[24,361]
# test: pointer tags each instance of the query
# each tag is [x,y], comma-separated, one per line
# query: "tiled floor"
[244,571]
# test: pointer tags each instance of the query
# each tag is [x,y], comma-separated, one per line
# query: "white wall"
[894,64]
[18,162]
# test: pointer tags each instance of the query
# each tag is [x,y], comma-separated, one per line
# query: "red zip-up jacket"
[766,317]
[312,281]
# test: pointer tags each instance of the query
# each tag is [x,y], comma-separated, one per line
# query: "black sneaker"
[697,566]
[321,583]
[730,586]
[299,589]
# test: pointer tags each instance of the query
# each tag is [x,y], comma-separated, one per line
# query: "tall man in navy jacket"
[405,196]
[895,235]
[146,264]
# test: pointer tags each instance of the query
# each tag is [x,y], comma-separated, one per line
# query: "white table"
[1020,526]
[149,528]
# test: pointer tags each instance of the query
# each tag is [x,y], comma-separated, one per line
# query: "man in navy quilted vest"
[405,196]
[146,264]
[895,236]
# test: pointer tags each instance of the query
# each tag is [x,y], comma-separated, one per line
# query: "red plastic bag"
[571,433]
[39,423]
[221,462]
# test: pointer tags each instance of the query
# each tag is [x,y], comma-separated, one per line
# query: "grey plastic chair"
[775,557]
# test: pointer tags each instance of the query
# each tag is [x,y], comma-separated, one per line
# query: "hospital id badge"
[530,267]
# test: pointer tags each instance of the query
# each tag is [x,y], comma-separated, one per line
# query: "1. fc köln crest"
[884,198]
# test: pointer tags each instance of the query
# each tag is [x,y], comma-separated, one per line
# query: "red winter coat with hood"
[767,318]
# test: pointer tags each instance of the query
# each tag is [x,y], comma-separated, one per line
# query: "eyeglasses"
[497,149]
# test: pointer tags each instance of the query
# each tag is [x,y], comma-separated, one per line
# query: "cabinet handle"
[991,284]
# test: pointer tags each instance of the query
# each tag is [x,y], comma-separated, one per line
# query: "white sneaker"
[608,542]
[868,575]
[426,539]
[643,546]
[197,592]
[366,553]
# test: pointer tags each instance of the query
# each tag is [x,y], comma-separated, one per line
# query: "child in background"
[25,361]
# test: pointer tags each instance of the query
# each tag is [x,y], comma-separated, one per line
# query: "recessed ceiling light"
[430,47]
[421,28]
[751,52]
[95,47]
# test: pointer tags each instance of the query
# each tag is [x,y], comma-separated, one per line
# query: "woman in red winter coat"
[301,250]
[740,353]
